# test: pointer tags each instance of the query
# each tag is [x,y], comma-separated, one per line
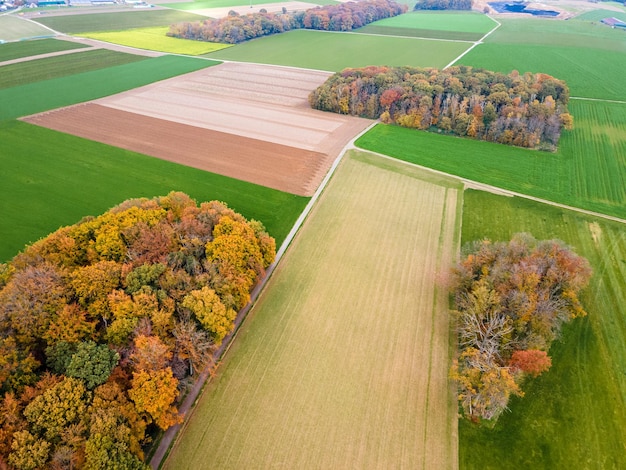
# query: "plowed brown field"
[246,121]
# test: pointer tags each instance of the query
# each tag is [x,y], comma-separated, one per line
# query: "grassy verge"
[49,68]
[17,50]
[72,24]
[155,39]
[311,49]
[343,362]
[52,179]
[587,171]
[37,97]
[574,416]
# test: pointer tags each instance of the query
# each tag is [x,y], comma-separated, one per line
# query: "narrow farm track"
[337,352]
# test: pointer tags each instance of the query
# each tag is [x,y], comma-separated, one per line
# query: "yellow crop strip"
[155,39]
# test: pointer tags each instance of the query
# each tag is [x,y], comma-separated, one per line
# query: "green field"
[589,73]
[336,51]
[13,28]
[37,97]
[343,361]
[588,170]
[17,50]
[33,71]
[73,24]
[155,39]
[464,26]
[574,416]
[590,58]
[52,179]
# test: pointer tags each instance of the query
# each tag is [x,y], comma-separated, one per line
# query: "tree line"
[236,28]
[443,5]
[103,324]
[511,302]
[526,110]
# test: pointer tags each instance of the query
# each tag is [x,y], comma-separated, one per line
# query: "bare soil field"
[241,120]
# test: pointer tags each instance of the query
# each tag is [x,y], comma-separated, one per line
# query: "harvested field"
[343,362]
[245,121]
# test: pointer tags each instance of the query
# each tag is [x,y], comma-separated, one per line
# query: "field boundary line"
[601,100]
[476,43]
[397,36]
[471,184]
[169,437]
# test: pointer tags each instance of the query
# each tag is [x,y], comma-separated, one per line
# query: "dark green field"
[41,96]
[16,50]
[588,170]
[574,416]
[52,179]
[72,24]
[33,71]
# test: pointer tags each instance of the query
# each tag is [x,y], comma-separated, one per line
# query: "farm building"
[614,23]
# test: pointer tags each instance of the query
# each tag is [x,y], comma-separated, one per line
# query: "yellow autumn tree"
[212,314]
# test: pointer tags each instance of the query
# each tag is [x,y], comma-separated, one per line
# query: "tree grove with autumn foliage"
[103,323]
[235,28]
[528,110]
[511,300]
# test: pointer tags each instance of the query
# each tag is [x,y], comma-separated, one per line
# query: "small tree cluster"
[234,28]
[511,301]
[528,110]
[443,5]
[101,323]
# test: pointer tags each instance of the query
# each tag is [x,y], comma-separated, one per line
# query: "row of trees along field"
[443,5]
[528,110]
[235,28]
[103,323]
[511,301]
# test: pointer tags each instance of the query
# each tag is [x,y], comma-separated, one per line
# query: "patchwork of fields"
[348,348]
[344,360]
[248,122]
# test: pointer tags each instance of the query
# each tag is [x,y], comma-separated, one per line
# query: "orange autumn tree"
[102,324]
[511,301]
